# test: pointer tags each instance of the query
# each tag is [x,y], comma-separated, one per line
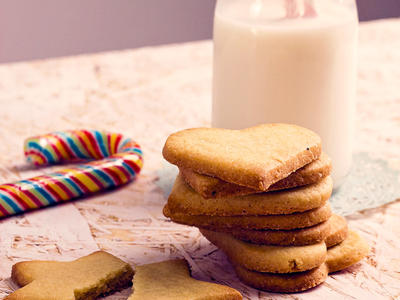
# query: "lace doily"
[371,183]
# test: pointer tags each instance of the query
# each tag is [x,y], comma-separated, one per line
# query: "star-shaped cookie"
[170,280]
[85,278]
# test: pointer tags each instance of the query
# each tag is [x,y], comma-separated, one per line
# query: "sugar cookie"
[184,199]
[282,222]
[332,231]
[338,230]
[283,283]
[83,279]
[295,237]
[264,258]
[353,249]
[213,187]
[255,157]
[170,280]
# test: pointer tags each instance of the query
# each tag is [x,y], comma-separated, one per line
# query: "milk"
[269,68]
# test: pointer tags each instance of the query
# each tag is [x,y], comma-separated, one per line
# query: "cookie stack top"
[255,157]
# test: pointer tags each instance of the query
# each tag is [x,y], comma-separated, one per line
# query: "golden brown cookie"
[283,283]
[266,258]
[255,157]
[184,199]
[85,278]
[170,280]
[213,187]
[353,249]
[295,237]
[279,222]
[332,231]
[338,230]
[350,251]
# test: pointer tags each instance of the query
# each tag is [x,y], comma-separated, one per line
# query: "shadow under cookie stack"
[261,196]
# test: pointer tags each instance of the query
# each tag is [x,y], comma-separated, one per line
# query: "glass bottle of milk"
[288,61]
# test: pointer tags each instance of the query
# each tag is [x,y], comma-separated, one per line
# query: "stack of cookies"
[261,195]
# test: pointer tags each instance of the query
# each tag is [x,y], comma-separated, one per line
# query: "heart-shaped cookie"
[184,199]
[267,258]
[276,222]
[255,157]
[212,187]
[333,232]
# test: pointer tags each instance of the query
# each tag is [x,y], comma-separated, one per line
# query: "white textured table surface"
[147,94]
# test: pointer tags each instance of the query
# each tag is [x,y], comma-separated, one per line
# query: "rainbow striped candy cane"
[117,161]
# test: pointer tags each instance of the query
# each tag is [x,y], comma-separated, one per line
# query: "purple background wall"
[49,28]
